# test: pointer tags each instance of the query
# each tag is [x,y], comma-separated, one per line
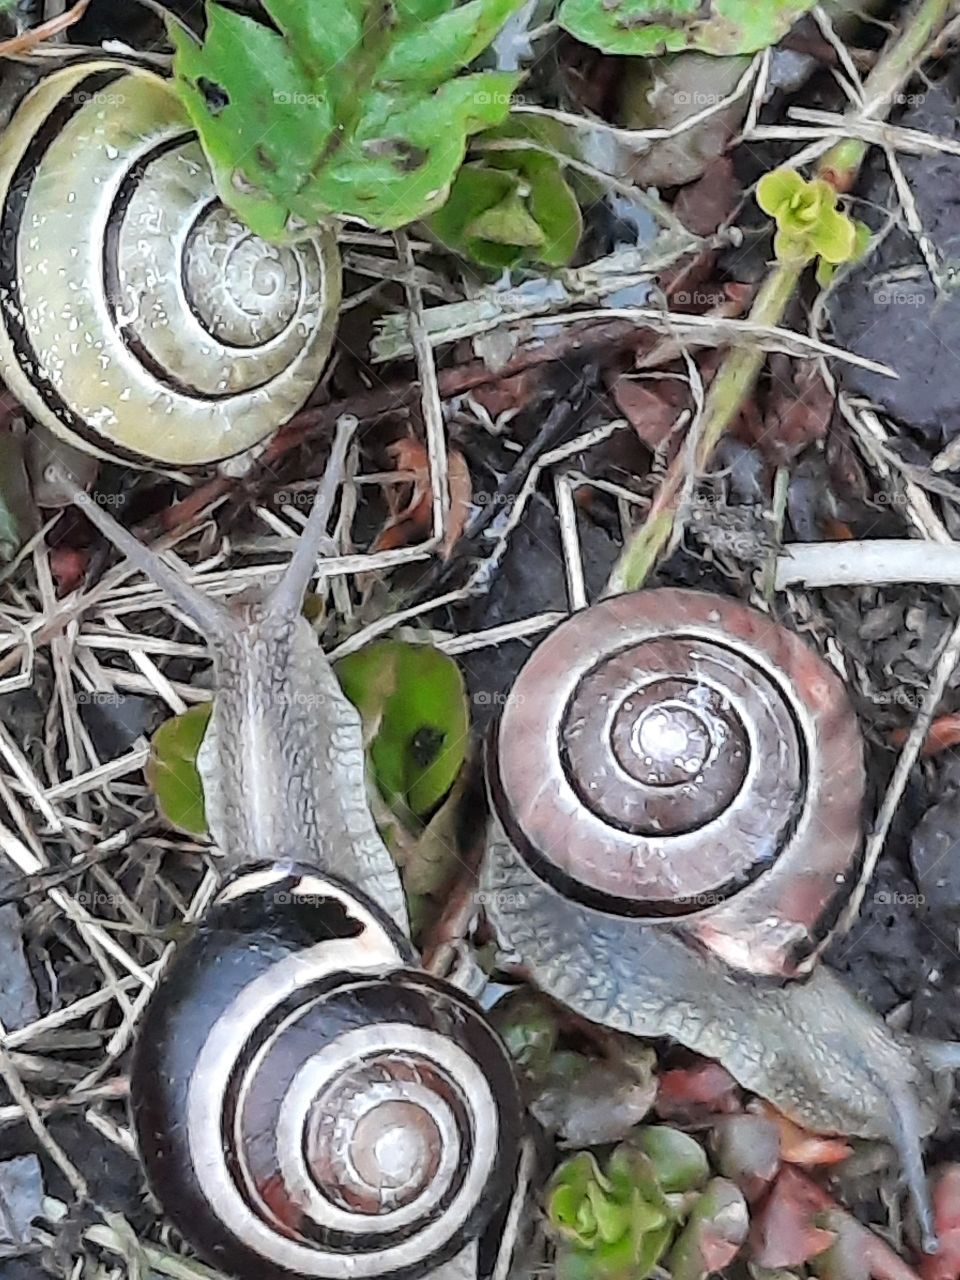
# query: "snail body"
[139,319]
[307,1104]
[682,860]
[282,760]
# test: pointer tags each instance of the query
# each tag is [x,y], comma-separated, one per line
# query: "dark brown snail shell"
[674,755]
[308,1104]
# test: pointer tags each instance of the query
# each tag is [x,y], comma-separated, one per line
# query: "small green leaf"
[833,236]
[678,1159]
[861,241]
[527,1025]
[510,205]
[809,224]
[434,51]
[649,28]
[614,1220]
[417,696]
[777,188]
[824,273]
[507,223]
[171,771]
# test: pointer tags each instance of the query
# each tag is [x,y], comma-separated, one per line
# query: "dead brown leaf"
[784,1232]
[709,201]
[800,1146]
[411,506]
[691,1093]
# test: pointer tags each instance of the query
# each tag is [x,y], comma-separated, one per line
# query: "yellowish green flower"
[809,224]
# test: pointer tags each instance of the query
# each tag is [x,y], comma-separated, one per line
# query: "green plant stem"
[737,375]
[727,392]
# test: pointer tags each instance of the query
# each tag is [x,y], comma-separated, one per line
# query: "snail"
[307,1103]
[676,785]
[139,319]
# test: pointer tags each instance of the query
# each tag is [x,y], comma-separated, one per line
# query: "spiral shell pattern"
[674,755]
[306,1102]
[140,319]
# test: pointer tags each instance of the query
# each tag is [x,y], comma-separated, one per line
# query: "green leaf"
[614,1220]
[678,1159]
[507,223]
[777,188]
[510,205]
[861,242]
[431,53]
[808,221]
[344,109]
[649,28]
[324,35]
[417,698]
[171,771]
[824,273]
[527,1025]
[833,236]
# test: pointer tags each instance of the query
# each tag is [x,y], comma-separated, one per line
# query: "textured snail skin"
[809,1046]
[282,761]
[710,978]
[140,320]
[308,1105]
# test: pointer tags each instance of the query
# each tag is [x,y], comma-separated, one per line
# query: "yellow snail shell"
[140,319]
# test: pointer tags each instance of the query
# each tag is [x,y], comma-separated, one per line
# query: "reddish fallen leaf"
[836,531]
[800,1146]
[713,1235]
[799,408]
[945,1263]
[785,1232]
[693,1092]
[800,1222]
[509,393]
[741,294]
[68,566]
[706,203]
[944,732]
[649,413]
[411,517]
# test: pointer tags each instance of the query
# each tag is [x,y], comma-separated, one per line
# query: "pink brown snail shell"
[671,754]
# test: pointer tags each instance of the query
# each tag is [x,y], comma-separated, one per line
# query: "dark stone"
[935,857]
[901,323]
